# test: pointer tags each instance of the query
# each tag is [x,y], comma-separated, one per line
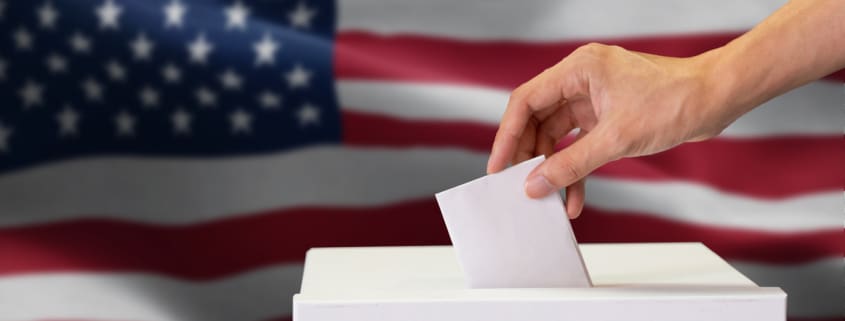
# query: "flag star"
[56,63]
[109,13]
[199,49]
[5,133]
[181,122]
[125,124]
[265,50]
[80,43]
[47,15]
[115,70]
[142,47]
[31,94]
[308,114]
[236,15]
[301,16]
[241,121]
[298,77]
[206,97]
[171,73]
[68,120]
[231,80]
[174,13]
[269,100]
[23,39]
[149,97]
[93,90]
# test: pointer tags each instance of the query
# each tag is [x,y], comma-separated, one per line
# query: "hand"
[624,103]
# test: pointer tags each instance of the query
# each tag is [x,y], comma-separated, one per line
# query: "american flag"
[174,159]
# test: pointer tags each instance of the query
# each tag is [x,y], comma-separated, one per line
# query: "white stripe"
[257,295]
[814,109]
[551,19]
[697,204]
[182,191]
[814,291]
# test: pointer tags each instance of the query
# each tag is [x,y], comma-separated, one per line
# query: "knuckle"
[519,94]
[565,171]
[591,48]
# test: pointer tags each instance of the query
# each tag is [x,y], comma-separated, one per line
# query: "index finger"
[543,91]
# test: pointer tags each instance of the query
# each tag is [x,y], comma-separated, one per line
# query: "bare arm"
[629,104]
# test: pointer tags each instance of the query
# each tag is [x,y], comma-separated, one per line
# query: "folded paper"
[504,239]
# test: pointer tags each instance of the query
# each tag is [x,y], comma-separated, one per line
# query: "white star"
[125,124]
[93,90]
[181,122]
[80,43]
[265,50]
[301,17]
[68,120]
[171,73]
[2,69]
[109,13]
[199,49]
[116,71]
[236,16]
[149,97]
[241,122]
[56,63]
[231,80]
[174,13]
[23,39]
[5,133]
[142,48]
[47,15]
[206,97]
[269,100]
[31,94]
[298,77]
[308,114]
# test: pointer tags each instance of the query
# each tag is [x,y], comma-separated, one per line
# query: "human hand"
[625,104]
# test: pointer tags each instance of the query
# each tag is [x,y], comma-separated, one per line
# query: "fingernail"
[538,186]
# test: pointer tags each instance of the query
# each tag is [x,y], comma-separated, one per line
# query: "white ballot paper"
[504,239]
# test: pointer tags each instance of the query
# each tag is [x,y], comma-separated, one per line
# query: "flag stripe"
[184,191]
[812,110]
[265,293]
[220,248]
[499,64]
[257,295]
[549,20]
[731,165]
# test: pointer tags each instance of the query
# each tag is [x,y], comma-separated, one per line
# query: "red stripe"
[221,248]
[772,167]
[503,64]
[366,129]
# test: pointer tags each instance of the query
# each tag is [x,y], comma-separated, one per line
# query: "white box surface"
[641,282]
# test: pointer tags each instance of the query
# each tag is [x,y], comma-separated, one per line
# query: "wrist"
[721,98]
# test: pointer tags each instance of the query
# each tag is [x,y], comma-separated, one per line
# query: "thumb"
[569,165]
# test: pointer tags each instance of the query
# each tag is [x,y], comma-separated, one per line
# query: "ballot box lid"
[435,269]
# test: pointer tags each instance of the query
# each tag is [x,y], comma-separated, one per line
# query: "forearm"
[803,41]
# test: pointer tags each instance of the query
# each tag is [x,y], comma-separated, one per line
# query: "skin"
[604,91]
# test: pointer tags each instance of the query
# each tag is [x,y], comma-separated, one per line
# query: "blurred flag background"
[174,159]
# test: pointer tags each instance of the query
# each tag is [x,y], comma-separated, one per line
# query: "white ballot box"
[639,282]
